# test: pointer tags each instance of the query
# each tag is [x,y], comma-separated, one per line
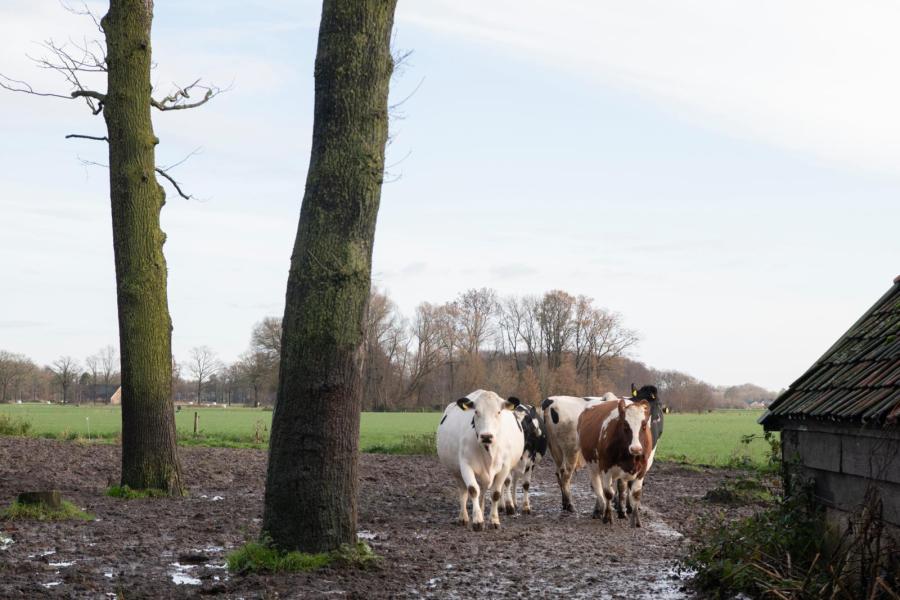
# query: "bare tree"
[312,482]
[266,337]
[109,360]
[93,363]
[202,365]
[475,308]
[66,370]
[123,63]
[13,369]
[255,367]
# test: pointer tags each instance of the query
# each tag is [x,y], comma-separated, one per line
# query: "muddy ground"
[145,548]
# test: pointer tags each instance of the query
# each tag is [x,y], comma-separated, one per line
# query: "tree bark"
[149,445]
[311,487]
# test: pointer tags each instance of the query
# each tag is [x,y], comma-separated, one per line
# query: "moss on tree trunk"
[311,489]
[149,451]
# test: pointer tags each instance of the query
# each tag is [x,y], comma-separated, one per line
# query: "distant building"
[839,420]
[116,398]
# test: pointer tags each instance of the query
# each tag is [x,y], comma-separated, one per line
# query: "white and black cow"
[480,441]
[651,395]
[535,448]
[561,420]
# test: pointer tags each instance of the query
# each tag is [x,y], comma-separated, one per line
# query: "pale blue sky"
[724,174]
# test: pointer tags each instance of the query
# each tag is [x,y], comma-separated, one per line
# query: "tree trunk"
[311,488]
[149,452]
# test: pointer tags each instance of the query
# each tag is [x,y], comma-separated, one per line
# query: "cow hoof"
[620,514]
[607,518]
[495,525]
[510,509]
[462,522]
[568,508]
[597,514]
[477,526]
[526,511]
[629,510]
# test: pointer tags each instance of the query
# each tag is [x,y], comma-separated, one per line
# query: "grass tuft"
[741,491]
[261,557]
[126,493]
[424,443]
[42,512]
[13,425]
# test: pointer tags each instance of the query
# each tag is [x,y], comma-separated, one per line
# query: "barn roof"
[857,379]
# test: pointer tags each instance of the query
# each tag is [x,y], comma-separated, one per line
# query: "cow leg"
[628,506]
[473,490]
[463,491]
[597,486]
[496,493]
[606,485]
[526,484]
[621,498]
[564,476]
[509,493]
[636,502]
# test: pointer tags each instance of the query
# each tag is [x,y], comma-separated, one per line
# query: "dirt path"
[144,548]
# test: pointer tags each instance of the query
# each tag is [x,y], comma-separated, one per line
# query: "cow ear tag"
[512,403]
[464,403]
[633,391]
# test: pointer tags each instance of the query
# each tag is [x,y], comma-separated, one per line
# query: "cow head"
[633,420]
[488,408]
[647,392]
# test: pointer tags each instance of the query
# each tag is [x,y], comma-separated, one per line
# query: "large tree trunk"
[311,489]
[149,452]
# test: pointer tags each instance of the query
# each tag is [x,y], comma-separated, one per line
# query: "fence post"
[196,423]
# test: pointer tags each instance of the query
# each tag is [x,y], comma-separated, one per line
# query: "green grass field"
[708,438]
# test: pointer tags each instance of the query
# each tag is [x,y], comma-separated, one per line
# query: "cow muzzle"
[636,450]
[487,438]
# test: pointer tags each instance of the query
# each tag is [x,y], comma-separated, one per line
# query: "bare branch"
[84,11]
[174,183]
[87,137]
[16,85]
[175,100]
[192,153]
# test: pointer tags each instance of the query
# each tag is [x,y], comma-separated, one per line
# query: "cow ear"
[633,391]
[512,403]
[621,407]
[465,404]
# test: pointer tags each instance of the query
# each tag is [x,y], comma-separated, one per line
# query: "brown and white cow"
[616,442]
[561,420]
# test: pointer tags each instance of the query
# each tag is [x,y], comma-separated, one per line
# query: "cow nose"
[487,438]
[636,450]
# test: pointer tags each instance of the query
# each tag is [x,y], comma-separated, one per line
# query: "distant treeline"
[527,346]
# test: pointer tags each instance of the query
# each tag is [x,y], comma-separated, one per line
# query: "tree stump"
[50,499]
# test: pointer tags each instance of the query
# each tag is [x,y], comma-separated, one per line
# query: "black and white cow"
[535,448]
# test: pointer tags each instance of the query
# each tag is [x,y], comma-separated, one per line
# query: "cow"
[479,440]
[615,440]
[561,420]
[649,393]
[535,435]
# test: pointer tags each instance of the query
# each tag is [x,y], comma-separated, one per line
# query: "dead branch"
[25,88]
[174,184]
[87,137]
[175,101]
